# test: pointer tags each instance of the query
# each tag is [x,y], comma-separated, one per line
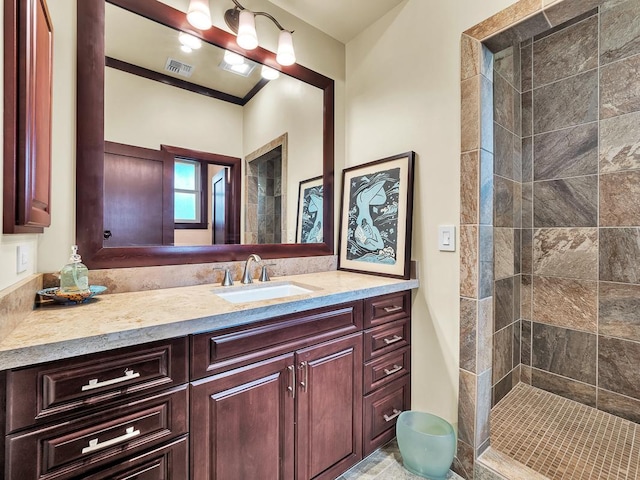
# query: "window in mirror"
[188,192]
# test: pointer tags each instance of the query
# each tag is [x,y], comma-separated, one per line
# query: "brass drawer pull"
[292,388]
[396,368]
[393,309]
[396,338]
[94,383]
[96,445]
[388,418]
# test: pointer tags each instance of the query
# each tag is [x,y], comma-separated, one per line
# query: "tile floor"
[563,439]
[384,464]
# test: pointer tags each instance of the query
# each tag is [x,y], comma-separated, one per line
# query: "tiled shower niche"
[567,211]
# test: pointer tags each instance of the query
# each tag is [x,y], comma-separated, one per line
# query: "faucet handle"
[264,275]
[228,279]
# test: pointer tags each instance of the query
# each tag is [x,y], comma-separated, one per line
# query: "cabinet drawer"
[170,462]
[72,448]
[387,368]
[381,409]
[386,308]
[45,392]
[386,338]
[223,350]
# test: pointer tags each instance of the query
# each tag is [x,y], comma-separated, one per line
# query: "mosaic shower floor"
[563,439]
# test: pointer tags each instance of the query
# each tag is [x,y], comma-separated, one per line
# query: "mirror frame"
[90,146]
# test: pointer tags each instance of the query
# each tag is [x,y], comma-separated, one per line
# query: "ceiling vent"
[179,68]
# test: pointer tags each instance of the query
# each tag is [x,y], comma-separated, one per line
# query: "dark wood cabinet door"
[242,423]
[329,418]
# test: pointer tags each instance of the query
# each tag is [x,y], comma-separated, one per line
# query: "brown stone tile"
[620,199]
[485,334]
[469,184]
[503,151]
[503,65]
[527,205]
[619,88]
[483,407]
[565,153]
[470,111]
[469,261]
[620,143]
[517,204]
[485,281]
[517,348]
[503,101]
[525,346]
[527,159]
[566,252]
[527,113]
[509,16]
[468,322]
[572,202]
[526,297]
[464,460]
[466,406]
[619,305]
[525,374]
[471,57]
[503,252]
[570,51]
[563,386]
[526,65]
[503,202]
[486,188]
[517,248]
[560,12]
[526,251]
[564,352]
[503,303]
[619,31]
[619,253]
[486,114]
[502,354]
[502,388]
[619,405]
[618,362]
[566,302]
[566,103]
[519,32]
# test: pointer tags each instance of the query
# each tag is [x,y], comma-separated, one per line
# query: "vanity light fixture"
[269,73]
[189,42]
[199,14]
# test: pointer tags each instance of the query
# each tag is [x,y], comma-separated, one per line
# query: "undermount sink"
[261,291]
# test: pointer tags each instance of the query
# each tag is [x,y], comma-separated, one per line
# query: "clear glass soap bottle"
[74,276]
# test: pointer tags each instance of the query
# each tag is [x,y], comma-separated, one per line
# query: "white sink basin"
[261,291]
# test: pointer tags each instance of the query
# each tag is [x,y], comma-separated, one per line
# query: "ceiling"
[341,19]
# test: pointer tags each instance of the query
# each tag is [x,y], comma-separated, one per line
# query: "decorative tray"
[71,299]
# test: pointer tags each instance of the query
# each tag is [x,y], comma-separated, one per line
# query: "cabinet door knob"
[388,418]
[394,339]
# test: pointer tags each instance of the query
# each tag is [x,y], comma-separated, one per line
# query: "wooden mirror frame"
[90,146]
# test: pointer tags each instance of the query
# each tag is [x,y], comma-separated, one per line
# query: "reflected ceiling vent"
[179,68]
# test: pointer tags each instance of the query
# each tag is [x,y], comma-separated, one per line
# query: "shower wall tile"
[470,114]
[517,158]
[565,153]
[526,251]
[502,354]
[485,280]
[564,352]
[517,248]
[503,97]
[619,307]
[486,188]
[619,254]
[503,303]
[471,57]
[469,182]
[503,64]
[503,19]
[619,87]
[619,31]
[620,199]
[560,12]
[503,202]
[483,407]
[525,374]
[618,362]
[565,302]
[566,252]
[503,252]
[517,113]
[526,64]
[503,151]
[619,405]
[563,386]
[464,460]
[517,204]
[486,114]
[469,261]
[485,334]
[620,143]
[568,52]
[527,205]
[526,297]
[516,297]
[468,321]
[566,103]
[525,346]
[572,202]
[501,388]
[527,113]
[466,407]
[517,343]
[527,159]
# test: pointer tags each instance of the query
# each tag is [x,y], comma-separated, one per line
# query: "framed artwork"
[376,217]
[310,201]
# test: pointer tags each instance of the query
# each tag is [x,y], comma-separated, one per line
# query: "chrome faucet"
[246,276]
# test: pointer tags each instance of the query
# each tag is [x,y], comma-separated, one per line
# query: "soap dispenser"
[74,276]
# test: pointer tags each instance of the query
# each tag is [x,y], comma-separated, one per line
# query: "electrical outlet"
[22,258]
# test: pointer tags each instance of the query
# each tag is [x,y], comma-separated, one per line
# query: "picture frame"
[309,217]
[376,216]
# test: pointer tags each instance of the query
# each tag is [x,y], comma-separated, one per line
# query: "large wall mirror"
[183,157]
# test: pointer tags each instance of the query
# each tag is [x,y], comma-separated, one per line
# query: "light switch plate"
[22,258]
[447,238]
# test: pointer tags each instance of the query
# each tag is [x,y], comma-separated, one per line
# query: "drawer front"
[72,448]
[387,368]
[226,349]
[170,462]
[80,384]
[386,338]
[381,409]
[386,308]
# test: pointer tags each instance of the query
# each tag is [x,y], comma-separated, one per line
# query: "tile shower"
[550,222]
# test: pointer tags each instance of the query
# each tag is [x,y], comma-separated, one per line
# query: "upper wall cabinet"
[28,67]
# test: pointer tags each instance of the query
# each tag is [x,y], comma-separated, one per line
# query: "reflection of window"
[187,191]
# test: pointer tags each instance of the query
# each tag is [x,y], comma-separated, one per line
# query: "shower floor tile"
[563,439]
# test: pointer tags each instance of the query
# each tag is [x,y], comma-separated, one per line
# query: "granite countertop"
[125,319]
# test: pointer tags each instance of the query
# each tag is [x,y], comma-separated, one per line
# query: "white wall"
[403,93]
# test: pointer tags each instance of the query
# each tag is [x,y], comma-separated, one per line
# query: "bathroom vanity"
[280,389]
